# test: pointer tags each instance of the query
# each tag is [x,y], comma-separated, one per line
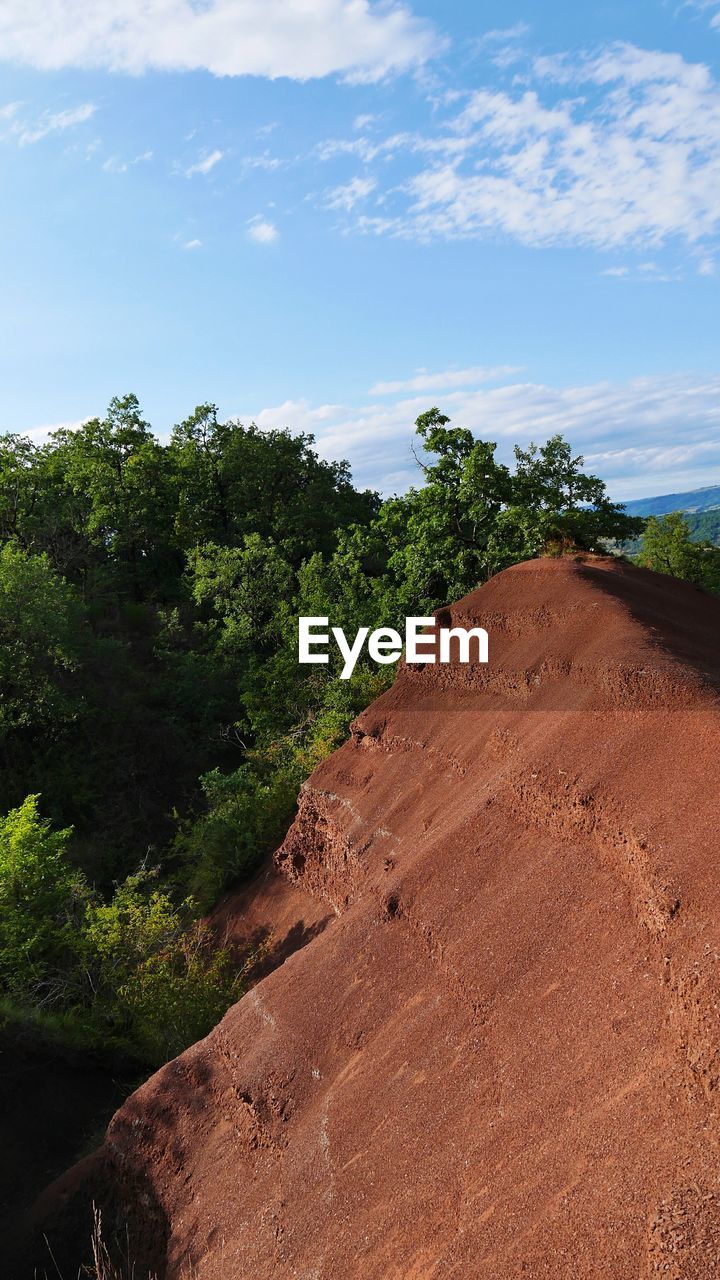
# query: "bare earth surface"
[500,1058]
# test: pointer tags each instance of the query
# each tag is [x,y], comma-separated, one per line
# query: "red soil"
[270,918]
[501,1058]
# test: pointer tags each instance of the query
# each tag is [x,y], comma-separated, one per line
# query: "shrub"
[42,899]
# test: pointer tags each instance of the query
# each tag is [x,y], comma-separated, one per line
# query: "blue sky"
[331,214]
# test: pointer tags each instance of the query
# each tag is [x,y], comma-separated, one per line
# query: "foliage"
[235,480]
[667,547]
[158,978]
[40,896]
[135,969]
[704,526]
[247,590]
[474,517]
[41,644]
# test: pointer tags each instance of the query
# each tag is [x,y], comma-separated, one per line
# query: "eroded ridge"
[561,806]
[501,1057]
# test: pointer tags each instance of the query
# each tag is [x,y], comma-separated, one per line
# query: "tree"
[155,976]
[40,898]
[247,591]
[569,505]
[118,473]
[42,639]
[667,548]
[235,480]
[473,517]
[20,487]
[442,533]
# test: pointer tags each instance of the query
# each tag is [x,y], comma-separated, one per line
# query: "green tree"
[473,517]
[42,640]
[20,487]
[121,482]
[442,535]
[667,548]
[41,897]
[248,591]
[235,480]
[568,504]
[156,977]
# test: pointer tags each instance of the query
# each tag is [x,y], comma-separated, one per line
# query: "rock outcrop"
[500,1058]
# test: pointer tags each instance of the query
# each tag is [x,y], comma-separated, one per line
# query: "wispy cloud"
[360,39]
[647,273]
[192,244]
[504,46]
[41,434]
[599,418]
[351,193]
[16,125]
[711,7]
[445,380]
[115,164]
[631,159]
[265,161]
[261,230]
[205,164]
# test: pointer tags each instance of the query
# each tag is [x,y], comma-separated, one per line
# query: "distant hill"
[701,508]
[696,500]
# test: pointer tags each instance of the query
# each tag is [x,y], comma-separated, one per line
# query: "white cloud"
[632,159]
[265,161]
[204,164]
[366,150]
[500,35]
[598,419]
[301,39]
[712,7]
[114,164]
[192,244]
[347,196]
[41,435]
[25,133]
[261,230]
[646,273]
[449,378]
[504,44]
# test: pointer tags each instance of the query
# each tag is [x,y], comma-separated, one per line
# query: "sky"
[331,215]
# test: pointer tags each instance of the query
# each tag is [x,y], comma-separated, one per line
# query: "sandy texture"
[501,1057]
[269,918]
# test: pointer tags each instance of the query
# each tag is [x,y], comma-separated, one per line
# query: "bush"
[41,900]
[138,972]
[177,995]
[248,814]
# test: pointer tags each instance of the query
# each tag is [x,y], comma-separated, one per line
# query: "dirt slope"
[501,1058]
[270,918]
